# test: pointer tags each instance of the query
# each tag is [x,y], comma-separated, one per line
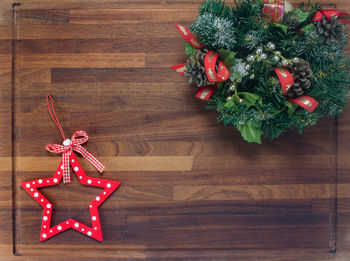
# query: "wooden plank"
[244,192]
[73,31]
[102,45]
[34,75]
[150,224]
[126,163]
[43,16]
[116,16]
[95,60]
[201,178]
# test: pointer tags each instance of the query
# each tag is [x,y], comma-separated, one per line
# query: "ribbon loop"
[78,138]
[56,148]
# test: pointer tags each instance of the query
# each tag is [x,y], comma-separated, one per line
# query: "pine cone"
[331,31]
[195,70]
[291,19]
[302,74]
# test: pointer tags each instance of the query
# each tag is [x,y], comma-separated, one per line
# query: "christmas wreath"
[266,67]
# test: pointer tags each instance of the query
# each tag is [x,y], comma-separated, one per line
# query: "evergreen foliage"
[257,106]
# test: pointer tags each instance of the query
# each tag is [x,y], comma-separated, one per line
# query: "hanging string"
[53,115]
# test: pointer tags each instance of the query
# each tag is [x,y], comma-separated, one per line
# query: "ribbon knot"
[78,138]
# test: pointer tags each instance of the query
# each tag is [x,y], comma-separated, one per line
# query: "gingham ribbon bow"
[78,138]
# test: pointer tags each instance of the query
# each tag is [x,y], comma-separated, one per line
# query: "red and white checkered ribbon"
[78,138]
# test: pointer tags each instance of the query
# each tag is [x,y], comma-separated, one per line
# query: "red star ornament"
[94,231]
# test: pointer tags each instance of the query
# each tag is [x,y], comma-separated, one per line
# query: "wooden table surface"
[191,188]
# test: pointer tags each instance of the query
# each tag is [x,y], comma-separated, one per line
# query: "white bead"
[76,224]
[67,142]
[45,218]
[296,60]
[59,228]
[89,233]
[62,167]
[44,235]
[76,168]
[285,62]
[94,218]
[55,180]
[250,58]
[36,194]
[259,50]
[40,181]
[48,205]
[89,181]
[27,185]
[98,198]
[271,45]
[109,185]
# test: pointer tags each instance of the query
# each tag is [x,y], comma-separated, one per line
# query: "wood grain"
[97,60]
[191,188]
[126,163]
